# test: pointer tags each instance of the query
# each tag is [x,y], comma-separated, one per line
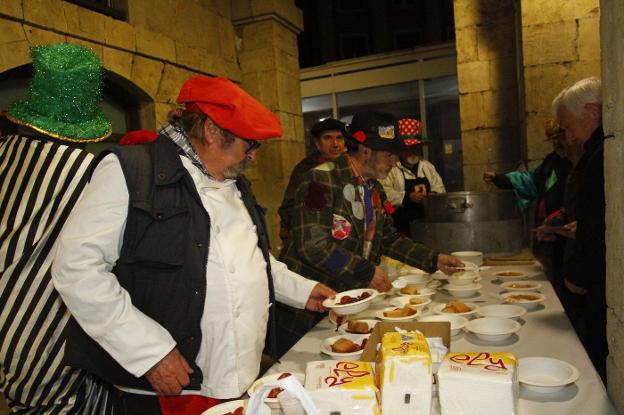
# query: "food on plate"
[521,297]
[238,411]
[343,345]
[456,306]
[358,327]
[416,301]
[405,311]
[409,290]
[347,299]
[509,274]
[515,285]
[276,391]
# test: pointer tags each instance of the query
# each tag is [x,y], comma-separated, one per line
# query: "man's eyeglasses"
[252,145]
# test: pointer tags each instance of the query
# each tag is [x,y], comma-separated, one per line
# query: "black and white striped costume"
[40,182]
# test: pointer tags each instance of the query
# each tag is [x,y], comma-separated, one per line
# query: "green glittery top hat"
[63,98]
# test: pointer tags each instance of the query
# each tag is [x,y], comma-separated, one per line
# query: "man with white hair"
[579,111]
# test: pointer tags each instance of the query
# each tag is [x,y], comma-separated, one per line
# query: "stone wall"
[486,70]
[612,42]
[560,45]
[252,42]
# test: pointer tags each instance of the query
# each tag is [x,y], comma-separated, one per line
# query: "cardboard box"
[428,328]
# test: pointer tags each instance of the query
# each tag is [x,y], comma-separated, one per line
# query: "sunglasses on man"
[252,145]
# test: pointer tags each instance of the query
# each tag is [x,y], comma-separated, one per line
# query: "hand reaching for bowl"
[319,293]
[380,280]
[448,264]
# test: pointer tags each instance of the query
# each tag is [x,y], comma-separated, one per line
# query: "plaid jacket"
[318,252]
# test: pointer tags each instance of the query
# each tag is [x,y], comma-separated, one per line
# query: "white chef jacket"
[394,183]
[236,307]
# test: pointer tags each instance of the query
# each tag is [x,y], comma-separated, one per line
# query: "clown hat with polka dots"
[410,131]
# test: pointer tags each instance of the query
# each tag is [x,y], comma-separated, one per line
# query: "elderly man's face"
[577,130]
[381,163]
[330,144]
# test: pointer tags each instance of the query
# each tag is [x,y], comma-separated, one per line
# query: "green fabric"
[551,180]
[64,94]
[524,188]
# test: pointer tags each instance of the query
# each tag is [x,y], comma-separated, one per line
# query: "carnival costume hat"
[376,130]
[328,124]
[64,93]
[410,132]
[229,107]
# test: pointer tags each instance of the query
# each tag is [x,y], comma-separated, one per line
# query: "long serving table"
[546,331]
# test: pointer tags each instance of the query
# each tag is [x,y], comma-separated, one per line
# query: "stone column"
[488,98]
[612,42]
[268,57]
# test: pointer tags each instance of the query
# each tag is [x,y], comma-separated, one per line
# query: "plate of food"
[394,313]
[521,285]
[416,292]
[272,400]
[414,301]
[457,307]
[345,345]
[351,302]
[357,327]
[511,274]
[527,299]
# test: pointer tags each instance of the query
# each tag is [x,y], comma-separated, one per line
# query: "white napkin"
[290,385]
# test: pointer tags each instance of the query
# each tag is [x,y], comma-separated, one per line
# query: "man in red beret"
[166,267]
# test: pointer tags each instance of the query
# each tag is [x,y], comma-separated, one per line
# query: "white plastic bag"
[294,391]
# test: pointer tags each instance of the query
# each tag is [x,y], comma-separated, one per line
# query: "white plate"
[530,285]
[404,300]
[516,275]
[343,327]
[423,292]
[380,315]
[502,310]
[493,328]
[457,322]
[413,283]
[462,291]
[226,407]
[473,308]
[528,304]
[273,403]
[356,338]
[545,374]
[351,308]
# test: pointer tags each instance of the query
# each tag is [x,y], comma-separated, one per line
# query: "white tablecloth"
[546,331]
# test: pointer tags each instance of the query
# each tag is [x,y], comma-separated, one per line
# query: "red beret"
[137,137]
[230,107]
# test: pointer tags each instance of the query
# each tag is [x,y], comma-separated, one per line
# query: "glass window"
[443,127]
[314,110]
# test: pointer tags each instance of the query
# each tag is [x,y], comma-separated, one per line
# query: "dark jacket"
[162,263]
[587,266]
[313,252]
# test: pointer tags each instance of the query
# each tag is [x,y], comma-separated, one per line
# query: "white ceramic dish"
[371,324]
[380,314]
[475,257]
[356,338]
[545,374]
[457,322]
[414,282]
[502,311]
[412,279]
[230,406]
[433,284]
[510,274]
[273,403]
[473,309]
[422,292]
[493,329]
[521,285]
[413,300]
[462,291]
[511,298]
[352,308]
[463,277]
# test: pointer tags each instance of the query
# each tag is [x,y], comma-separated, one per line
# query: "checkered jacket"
[314,252]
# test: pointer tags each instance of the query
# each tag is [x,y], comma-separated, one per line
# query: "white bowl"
[512,298]
[545,374]
[493,329]
[371,324]
[457,322]
[408,299]
[273,403]
[380,314]
[511,274]
[476,257]
[521,285]
[462,291]
[356,338]
[463,277]
[415,282]
[230,406]
[438,310]
[352,308]
[502,311]
[422,292]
